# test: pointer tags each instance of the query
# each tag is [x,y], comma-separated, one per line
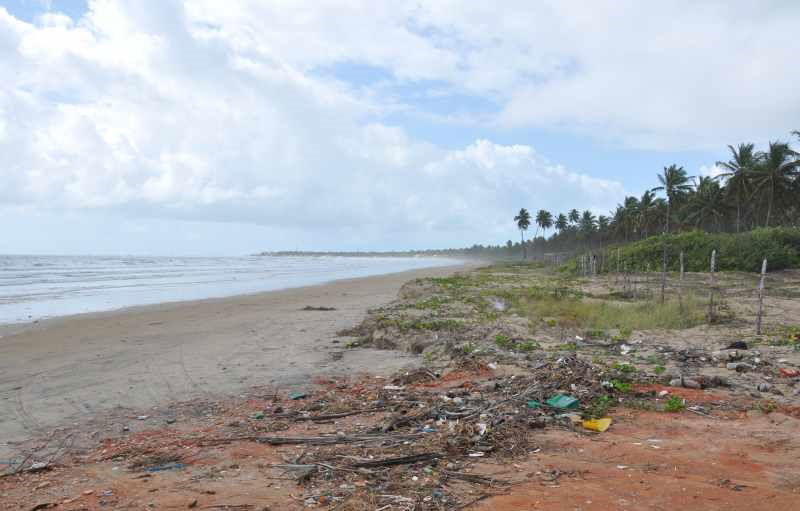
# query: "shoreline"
[119,285]
[9,329]
[70,368]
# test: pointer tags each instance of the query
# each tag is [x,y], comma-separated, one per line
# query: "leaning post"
[761,296]
[664,270]
[712,282]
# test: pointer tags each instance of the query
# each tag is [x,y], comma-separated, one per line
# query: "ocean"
[39,287]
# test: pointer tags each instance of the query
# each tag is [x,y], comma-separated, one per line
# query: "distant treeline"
[475,251]
[755,188]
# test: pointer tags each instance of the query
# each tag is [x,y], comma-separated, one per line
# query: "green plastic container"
[563,402]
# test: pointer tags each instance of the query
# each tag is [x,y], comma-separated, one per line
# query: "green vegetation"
[621,386]
[599,408]
[527,346]
[596,333]
[786,335]
[468,348]
[601,315]
[623,367]
[756,189]
[735,252]
[767,406]
[503,341]
[623,335]
[659,369]
[406,323]
[674,404]
[508,343]
[569,346]
[556,303]
[523,220]
[434,302]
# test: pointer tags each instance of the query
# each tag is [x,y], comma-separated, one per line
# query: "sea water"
[37,287]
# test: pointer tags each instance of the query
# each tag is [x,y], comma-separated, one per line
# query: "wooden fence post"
[711,311]
[761,296]
[664,271]
[681,265]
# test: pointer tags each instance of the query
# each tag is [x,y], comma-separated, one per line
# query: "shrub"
[503,341]
[735,252]
[674,405]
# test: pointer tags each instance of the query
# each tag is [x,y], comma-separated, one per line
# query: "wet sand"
[69,369]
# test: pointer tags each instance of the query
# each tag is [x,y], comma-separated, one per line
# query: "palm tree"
[544,219]
[737,173]
[675,184]
[775,174]
[603,223]
[574,216]
[644,213]
[625,217]
[523,220]
[705,207]
[588,224]
[561,222]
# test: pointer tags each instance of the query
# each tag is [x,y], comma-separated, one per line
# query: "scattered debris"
[599,425]
[165,466]
[737,345]
[563,401]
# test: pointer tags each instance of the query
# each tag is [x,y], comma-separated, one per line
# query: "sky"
[200,127]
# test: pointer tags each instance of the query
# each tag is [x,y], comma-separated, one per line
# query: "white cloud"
[666,76]
[711,170]
[222,111]
[155,111]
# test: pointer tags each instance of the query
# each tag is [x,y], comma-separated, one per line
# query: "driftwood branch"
[403,460]
[312,440]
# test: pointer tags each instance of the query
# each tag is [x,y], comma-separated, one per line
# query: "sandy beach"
[69,369]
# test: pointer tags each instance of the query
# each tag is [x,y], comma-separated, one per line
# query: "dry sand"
[69,369]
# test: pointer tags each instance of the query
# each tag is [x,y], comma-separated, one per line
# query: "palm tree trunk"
[666,227]
[769,202]
[522,242]
[738,213]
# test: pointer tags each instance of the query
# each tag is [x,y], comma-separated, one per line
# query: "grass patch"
[622,335]
[503,341]
[623,368]
[599,408]
[596,333]
[786,335]
[468,348]
[527,346]
[601,315]
[674,405]
[767,406]
[508,343]
[432,303]
[569,346]
[420,324]
[621,386]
